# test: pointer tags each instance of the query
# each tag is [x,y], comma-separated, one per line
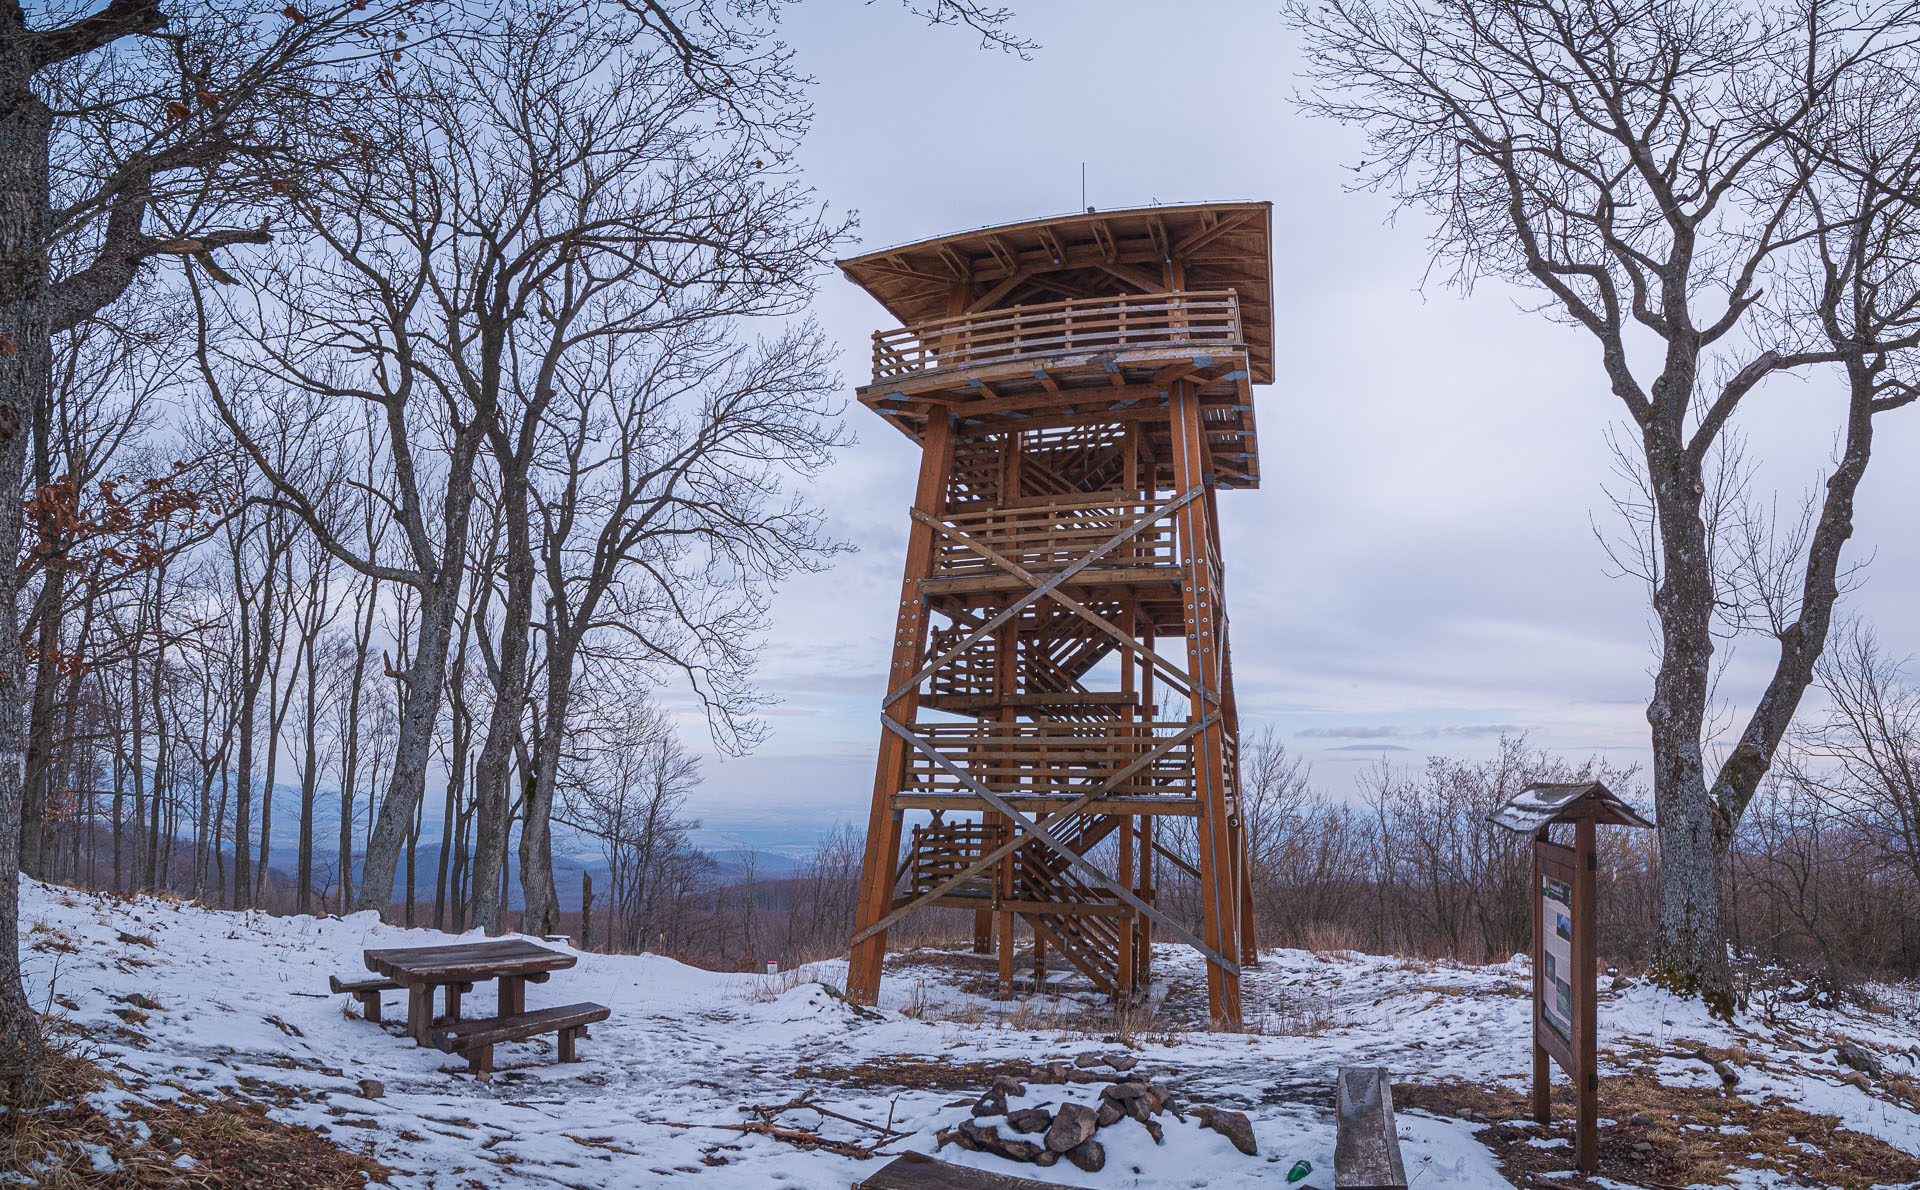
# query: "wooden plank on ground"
[1366,1149]
[917,1171]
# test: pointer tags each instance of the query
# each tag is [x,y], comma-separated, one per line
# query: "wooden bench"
[367,991]
[1366,1149]
[474,1040]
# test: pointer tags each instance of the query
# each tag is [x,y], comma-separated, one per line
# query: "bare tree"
[1700,189]
[314,612]
[179,131]
[591,220]
[628,789]
[1870,741]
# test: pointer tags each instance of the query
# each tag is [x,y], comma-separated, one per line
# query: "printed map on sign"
[1556,923]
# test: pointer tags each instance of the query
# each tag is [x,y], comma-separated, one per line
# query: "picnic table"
[513,962]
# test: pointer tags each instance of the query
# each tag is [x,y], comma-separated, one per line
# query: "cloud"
[1448,731]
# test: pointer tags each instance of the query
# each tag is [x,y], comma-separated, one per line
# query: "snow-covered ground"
[242,1008]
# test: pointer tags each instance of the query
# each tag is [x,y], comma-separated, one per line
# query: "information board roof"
[1547,802]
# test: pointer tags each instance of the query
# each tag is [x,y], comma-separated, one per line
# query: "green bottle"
[1301,1169]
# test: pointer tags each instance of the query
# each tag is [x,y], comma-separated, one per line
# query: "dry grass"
[1290,1015]
[1325,938]
[1699,1136]
[912,1072]
[47,940]
[241,1147]
[224,1142]
[765,989]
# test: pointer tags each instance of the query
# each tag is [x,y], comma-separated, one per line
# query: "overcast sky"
[1419,571]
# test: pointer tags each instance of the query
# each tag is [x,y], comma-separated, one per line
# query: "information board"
[1556,929]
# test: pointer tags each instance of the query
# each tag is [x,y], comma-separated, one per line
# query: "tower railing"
[1130,323]
[1043,537]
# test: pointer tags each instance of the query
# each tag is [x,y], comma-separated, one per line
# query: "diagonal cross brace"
[1020,836]
[1013,609]
[1045,835]
[1168,669]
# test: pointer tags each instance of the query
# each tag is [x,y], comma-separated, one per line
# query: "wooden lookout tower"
[1080,388]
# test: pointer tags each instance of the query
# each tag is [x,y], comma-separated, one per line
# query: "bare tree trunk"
[46,686]
[413,745]
[350,745]
[252,672]
[25,126]
[277,708]
[1692,944]
[317,615]
[511,683]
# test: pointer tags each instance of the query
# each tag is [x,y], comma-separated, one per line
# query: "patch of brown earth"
[199,1143]
[909,1071]
[1685,1130]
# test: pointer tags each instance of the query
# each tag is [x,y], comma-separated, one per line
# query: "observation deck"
[1020,326]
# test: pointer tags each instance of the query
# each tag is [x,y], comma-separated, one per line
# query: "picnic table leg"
[453,1002]
[420,1011]
[369,1005]
[513,995]
[479,1061]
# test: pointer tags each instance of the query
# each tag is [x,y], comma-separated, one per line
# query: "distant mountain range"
[773,852]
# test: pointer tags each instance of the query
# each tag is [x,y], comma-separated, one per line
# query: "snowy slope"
[243,1008]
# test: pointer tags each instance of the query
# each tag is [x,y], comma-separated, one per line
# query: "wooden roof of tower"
[1221,246]
[1082,321]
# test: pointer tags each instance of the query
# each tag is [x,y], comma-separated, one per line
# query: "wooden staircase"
[1084,923]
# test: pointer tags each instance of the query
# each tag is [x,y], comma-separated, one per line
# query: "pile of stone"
[1070,1131]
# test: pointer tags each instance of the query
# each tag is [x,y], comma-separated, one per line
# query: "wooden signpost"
[1564,967]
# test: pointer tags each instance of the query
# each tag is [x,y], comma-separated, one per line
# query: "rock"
[1047,1157]
[1088,1155]
[972,1136]
[1155,1131]
[1123,1091]
[372,1088]
[1854,1078]
[945,1137]
[1860,1058]
[1642,1119]
[1018,1150]
[1231,1124]
[993,1103]
[1008,1085]
[1642,1146]
[1088,1060]
[1159,1098]
[1073,1124]
[1108,1114]
[1140,1109]
[1030,1119]
[1051,1072]
[1122,1062]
